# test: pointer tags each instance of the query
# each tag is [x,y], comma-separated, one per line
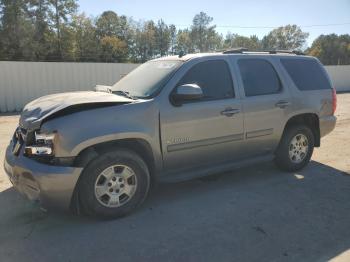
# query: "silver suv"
[171,119]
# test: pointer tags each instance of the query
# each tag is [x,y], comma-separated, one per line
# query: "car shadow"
[252,214]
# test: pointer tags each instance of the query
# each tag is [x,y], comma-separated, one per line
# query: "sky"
[235,16]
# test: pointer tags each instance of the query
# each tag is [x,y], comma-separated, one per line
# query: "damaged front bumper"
[52,186]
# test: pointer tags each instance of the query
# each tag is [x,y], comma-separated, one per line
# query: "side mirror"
[187,92]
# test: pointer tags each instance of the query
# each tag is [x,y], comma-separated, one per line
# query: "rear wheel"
[295,149]
[114,184]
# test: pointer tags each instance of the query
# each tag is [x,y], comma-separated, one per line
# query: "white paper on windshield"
[166,65]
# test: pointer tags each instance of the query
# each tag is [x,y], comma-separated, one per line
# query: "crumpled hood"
[38,110]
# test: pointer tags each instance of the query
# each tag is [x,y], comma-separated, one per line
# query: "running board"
[183,175]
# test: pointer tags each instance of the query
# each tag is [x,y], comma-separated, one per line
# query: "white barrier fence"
[21,82]
[340,76]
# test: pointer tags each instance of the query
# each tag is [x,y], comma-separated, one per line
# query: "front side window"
[259,77]
[213,77]
[307,74]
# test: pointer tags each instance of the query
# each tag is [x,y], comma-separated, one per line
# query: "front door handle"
[230,112]
[283,104]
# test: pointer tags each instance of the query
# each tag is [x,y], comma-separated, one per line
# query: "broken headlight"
[43,145]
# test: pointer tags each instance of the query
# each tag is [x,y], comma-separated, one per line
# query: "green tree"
[108,24]
[145,41]
[114,31]
[38,10]
[173,33]
[16,29]
[162,38]
[61,12]
[113,49]
[332,49]
[184,42]
[68,42]
[125,30]
[236,41]
[126,33]
[285,37]
[204,35]
[86,43]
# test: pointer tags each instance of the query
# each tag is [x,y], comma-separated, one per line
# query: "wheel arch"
[139,146]
[309,119]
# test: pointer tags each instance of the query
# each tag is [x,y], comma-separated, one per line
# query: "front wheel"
[295,149]
[114,184]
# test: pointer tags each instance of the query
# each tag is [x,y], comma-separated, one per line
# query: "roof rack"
[242,50]
[239,50]
[295,52]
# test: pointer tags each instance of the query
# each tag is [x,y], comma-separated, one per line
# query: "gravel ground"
[253,214]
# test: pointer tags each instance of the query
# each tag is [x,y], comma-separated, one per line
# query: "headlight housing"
[43,145]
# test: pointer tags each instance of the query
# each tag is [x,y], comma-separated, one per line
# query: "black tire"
[282,159]
[89,202]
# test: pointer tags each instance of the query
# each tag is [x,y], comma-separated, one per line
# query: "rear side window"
[259,77]
[306,74]
[213,77]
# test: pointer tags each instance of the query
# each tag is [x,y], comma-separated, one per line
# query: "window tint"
[213,77]
[259,77]
[306,74]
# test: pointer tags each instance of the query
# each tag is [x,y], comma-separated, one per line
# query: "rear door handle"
[283,104]
[230,112]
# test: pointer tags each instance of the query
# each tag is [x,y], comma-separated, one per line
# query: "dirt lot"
[254,214]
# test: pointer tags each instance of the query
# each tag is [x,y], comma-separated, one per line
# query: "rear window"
[306,74]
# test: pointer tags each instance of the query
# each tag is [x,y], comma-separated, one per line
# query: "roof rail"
[241,50]
[236,50]
[295,52]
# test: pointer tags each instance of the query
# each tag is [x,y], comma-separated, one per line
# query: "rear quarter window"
[306,74]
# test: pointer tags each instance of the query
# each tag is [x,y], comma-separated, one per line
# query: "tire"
[108,168]
[289,161]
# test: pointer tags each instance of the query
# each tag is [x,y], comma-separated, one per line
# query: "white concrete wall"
[340,76]
[21,82]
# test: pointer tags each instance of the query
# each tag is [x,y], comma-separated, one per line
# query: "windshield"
[146,80]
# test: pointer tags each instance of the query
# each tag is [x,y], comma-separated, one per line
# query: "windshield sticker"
[166,65]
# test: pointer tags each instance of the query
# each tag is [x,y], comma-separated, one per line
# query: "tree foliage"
[85,39]
[60,13]
[14,29]
[285,37]
[332,49]
[203,34]
[236,41]
[38,11]
[53,30]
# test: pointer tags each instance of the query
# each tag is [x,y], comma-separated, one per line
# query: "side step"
[188,174]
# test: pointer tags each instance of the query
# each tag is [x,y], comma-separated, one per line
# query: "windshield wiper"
[124,93]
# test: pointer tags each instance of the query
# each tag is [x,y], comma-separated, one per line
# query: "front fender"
[110,138]
[78,131]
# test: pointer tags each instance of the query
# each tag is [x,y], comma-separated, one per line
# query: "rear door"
[266,103]
[204,132]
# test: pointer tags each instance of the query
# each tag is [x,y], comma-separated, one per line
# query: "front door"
[207,131]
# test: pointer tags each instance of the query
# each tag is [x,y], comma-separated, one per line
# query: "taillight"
[334,100]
